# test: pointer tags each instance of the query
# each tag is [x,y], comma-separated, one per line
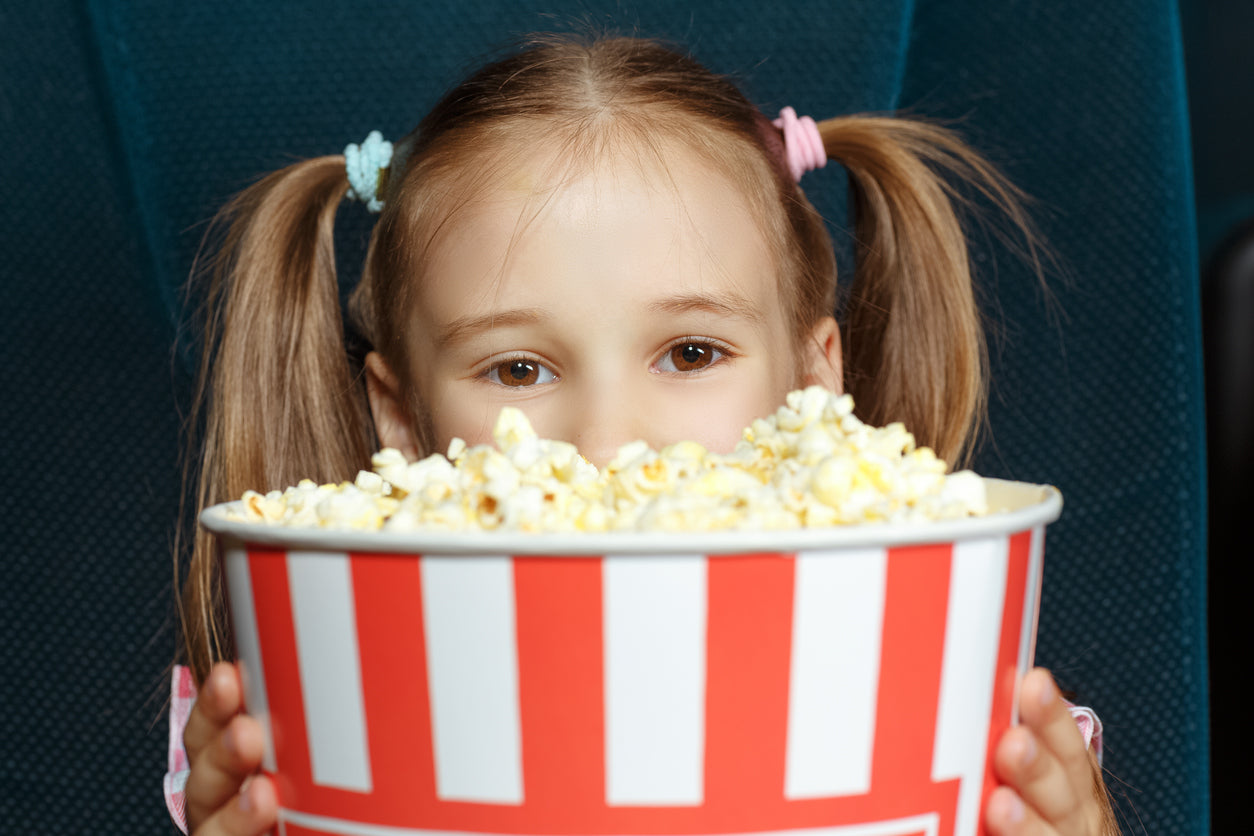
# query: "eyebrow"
[732,305]
[464,328]
[727,304]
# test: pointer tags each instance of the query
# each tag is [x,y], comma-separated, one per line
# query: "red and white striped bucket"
[847,681]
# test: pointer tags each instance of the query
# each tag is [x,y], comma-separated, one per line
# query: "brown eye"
[691,357]
[520,372]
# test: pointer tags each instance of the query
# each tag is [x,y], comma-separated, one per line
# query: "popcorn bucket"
[847,681]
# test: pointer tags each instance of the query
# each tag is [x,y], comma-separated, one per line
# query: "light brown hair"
[279,398]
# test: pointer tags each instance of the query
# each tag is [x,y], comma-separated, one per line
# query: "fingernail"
[1049,692]
[217,682]
[1028,753]
[229,741]
[245,799]
[1015,813]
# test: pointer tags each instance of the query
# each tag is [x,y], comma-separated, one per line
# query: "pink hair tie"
[803,146]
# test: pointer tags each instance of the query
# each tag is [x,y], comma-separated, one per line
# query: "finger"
[1036,776]
[1007,815]
[1041,709]
[220,698]
[222,767]
[253,812]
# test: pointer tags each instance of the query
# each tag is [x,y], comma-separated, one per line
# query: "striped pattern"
[323,611]
[831,696]
[468,615]
[654,622]
[825,693]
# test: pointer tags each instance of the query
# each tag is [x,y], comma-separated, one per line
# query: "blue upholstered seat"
[125,125]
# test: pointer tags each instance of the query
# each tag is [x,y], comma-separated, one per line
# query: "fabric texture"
[182,699]
[89,425]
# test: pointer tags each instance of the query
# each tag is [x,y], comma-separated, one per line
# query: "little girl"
[613,239]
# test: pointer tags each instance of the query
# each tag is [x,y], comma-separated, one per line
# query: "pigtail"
[276,392]
[914,348]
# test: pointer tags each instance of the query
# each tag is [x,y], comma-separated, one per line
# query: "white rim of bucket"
[1013,507]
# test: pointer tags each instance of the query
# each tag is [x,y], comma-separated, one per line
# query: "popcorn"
[811,464]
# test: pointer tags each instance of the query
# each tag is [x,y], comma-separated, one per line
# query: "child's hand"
[224,749]
[1052,785]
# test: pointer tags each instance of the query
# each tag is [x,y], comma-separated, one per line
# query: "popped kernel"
[810,464]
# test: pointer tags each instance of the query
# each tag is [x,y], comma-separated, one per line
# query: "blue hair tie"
[367,166]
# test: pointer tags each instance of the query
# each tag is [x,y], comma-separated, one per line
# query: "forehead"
[639,221]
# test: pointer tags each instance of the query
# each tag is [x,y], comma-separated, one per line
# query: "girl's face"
[629,302]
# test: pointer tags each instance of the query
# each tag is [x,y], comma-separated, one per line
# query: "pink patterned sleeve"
[1090,726]
[182,698]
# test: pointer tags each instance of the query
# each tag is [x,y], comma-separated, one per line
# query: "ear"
[391,418]
[823,361]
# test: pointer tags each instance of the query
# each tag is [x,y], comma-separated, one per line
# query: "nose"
[605,417]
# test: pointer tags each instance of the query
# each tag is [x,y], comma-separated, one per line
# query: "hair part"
[586,99]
